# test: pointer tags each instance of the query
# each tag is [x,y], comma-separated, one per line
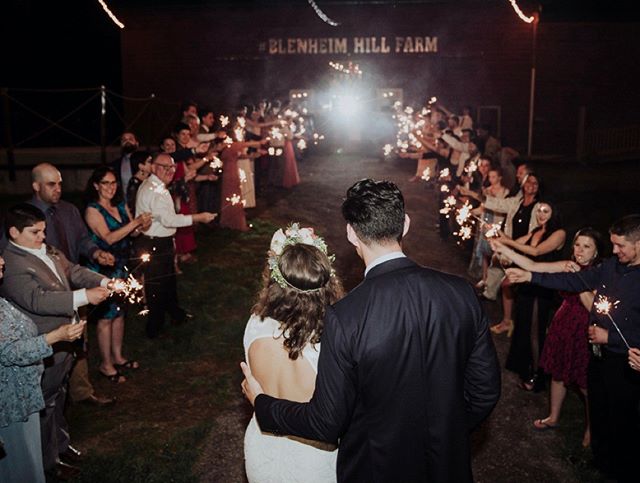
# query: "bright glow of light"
[519,12]
[322,15]
[110,14]
[224,120]
[387,149]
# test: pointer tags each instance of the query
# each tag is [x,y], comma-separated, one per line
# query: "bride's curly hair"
[299,311]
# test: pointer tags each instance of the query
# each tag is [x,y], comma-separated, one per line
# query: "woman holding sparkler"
[533,305]
[231,202]
[282,345]
[565,354]
[519,221]
[111,225]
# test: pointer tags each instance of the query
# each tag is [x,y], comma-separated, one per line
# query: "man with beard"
[122,166]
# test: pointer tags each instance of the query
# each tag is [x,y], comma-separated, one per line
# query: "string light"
[322,15]
[110,13]
[519,12]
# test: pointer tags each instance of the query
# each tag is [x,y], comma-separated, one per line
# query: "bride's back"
[278,375]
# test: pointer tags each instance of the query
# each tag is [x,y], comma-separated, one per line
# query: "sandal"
[118,377]
[127,365]
[543,425]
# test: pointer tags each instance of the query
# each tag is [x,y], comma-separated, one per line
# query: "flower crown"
[293,235]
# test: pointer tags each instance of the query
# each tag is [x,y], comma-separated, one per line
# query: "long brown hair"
[300,312]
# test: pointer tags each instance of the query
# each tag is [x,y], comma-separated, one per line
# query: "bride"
[282,345]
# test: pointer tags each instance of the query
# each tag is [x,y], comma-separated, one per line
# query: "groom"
[407,367]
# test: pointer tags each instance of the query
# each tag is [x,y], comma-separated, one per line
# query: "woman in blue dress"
[111,225]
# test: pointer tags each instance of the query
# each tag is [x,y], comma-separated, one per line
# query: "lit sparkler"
[235,199]
[604,306]
[130,288]
[387,149]
[302,144]
[216,163]
[242,175]
[464,214]
[224,120]
[444,173]
[426,174]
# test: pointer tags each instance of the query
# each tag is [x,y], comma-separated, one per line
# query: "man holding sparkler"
[613,378]
[39,280]
[160,277]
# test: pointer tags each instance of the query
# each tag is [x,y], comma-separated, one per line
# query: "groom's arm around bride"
[407,366]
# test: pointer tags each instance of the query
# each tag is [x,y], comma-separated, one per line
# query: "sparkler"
[464,214]
[387,149]
[235,199]
[216,163]
[604,306]
[130,288]
[302,144]
[426,174]
[444,188]
[444,173]
[242,175]
[224,120]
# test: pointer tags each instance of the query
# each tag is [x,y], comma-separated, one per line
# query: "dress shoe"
[63,472]
[72,455]
[99,401]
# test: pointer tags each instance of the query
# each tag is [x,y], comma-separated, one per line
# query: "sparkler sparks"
[426,174]
[236,200]
[302,144]
[604,306]
[387,149]
[130,288]
[243,175]
[216,163]
[224,120]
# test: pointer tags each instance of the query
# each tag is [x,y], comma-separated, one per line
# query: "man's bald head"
[46,183]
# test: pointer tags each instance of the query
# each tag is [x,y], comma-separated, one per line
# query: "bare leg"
[556,400]
[117,335]
[586,440]
[104,331]
[507,302]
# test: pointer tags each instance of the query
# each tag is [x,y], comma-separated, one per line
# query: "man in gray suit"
[40,281]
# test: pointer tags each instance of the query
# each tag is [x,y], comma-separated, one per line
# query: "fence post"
[582,117]
[103,124]
[11,162]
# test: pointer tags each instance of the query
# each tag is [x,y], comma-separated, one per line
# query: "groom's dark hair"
[375,211]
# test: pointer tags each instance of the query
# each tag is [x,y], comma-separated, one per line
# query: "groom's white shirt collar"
[382,259]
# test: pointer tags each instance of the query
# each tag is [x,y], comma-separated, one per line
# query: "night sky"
[72,43]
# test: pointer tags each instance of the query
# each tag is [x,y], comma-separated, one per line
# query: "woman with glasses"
[534,305]
[111,225]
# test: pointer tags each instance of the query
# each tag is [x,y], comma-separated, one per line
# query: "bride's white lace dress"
[283,459]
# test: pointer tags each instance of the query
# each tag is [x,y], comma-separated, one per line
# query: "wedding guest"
[282,344]
[160,280]
[399,361]
[111,225]
[534,305]
[613,386]
[141,160]
[518,223]
[65,230]
[123,166]
[40,281]
[565,354]
[21,368]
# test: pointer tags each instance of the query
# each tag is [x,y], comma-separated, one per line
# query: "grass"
[166,408]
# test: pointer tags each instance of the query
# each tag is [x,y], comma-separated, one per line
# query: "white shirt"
[383,258]
[79,296]
[154,197]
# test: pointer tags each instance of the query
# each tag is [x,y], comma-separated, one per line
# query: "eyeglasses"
[108,183]
[166,166]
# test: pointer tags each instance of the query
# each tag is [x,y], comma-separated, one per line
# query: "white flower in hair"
[293,235]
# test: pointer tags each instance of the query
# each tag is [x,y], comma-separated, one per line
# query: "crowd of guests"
[137,224]
[495,207]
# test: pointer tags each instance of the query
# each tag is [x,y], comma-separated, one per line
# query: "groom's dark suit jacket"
[407,369]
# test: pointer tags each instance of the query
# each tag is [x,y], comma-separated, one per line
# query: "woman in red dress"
[231,203]
[565,355]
